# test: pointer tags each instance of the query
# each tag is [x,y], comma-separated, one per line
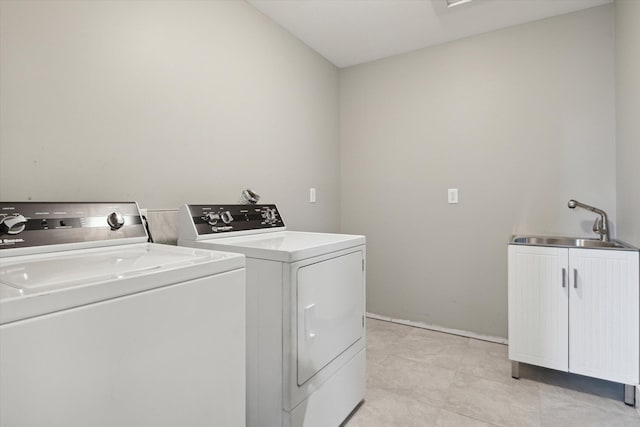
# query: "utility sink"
[569,242]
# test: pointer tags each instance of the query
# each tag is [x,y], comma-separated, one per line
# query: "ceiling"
[349,32]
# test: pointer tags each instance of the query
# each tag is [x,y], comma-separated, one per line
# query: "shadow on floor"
[574,382]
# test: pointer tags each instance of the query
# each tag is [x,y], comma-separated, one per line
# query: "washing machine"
[100,328]
[305,312]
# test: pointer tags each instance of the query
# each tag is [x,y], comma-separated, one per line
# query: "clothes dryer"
[100,328]
[305,312]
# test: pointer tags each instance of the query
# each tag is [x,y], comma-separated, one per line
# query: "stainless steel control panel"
[216,219]
[27,224]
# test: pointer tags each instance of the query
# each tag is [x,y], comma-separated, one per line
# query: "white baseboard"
[423,325]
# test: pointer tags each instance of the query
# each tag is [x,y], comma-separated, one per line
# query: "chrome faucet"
[601,226]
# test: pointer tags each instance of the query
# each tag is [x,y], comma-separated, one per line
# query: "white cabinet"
[575,310]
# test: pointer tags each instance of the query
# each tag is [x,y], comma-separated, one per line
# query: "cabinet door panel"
[538,306]
[604,318]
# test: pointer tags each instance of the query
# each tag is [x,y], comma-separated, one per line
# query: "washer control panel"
[215,219]
[27,224]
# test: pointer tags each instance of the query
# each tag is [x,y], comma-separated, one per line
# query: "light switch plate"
[312,195]
[452,195]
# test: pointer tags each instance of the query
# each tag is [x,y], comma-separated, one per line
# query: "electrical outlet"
[452,195]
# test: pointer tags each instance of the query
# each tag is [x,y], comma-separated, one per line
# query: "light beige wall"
[165,103]
[627,18]
[519,120]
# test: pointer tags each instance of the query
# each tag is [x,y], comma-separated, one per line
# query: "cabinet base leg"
[630,395]
[515,370]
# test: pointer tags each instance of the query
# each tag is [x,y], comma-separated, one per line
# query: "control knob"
[115,220]
[226,217]
[13,224]
[211,218]
[269,215]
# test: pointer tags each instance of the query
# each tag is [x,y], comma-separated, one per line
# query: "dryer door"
[330,300]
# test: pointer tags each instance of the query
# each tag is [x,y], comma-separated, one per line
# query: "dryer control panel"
[28,224]
[216,219]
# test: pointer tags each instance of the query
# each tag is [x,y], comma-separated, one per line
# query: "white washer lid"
[65,270]
[285,246]
[56,281]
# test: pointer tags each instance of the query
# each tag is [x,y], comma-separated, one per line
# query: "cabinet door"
[538,306]
[603,332]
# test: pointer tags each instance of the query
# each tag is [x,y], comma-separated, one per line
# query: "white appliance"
[100,328]
[305,312]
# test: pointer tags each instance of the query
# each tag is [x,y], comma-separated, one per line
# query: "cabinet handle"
[564,277]
[575,278]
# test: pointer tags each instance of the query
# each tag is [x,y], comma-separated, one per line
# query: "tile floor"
[418,377]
